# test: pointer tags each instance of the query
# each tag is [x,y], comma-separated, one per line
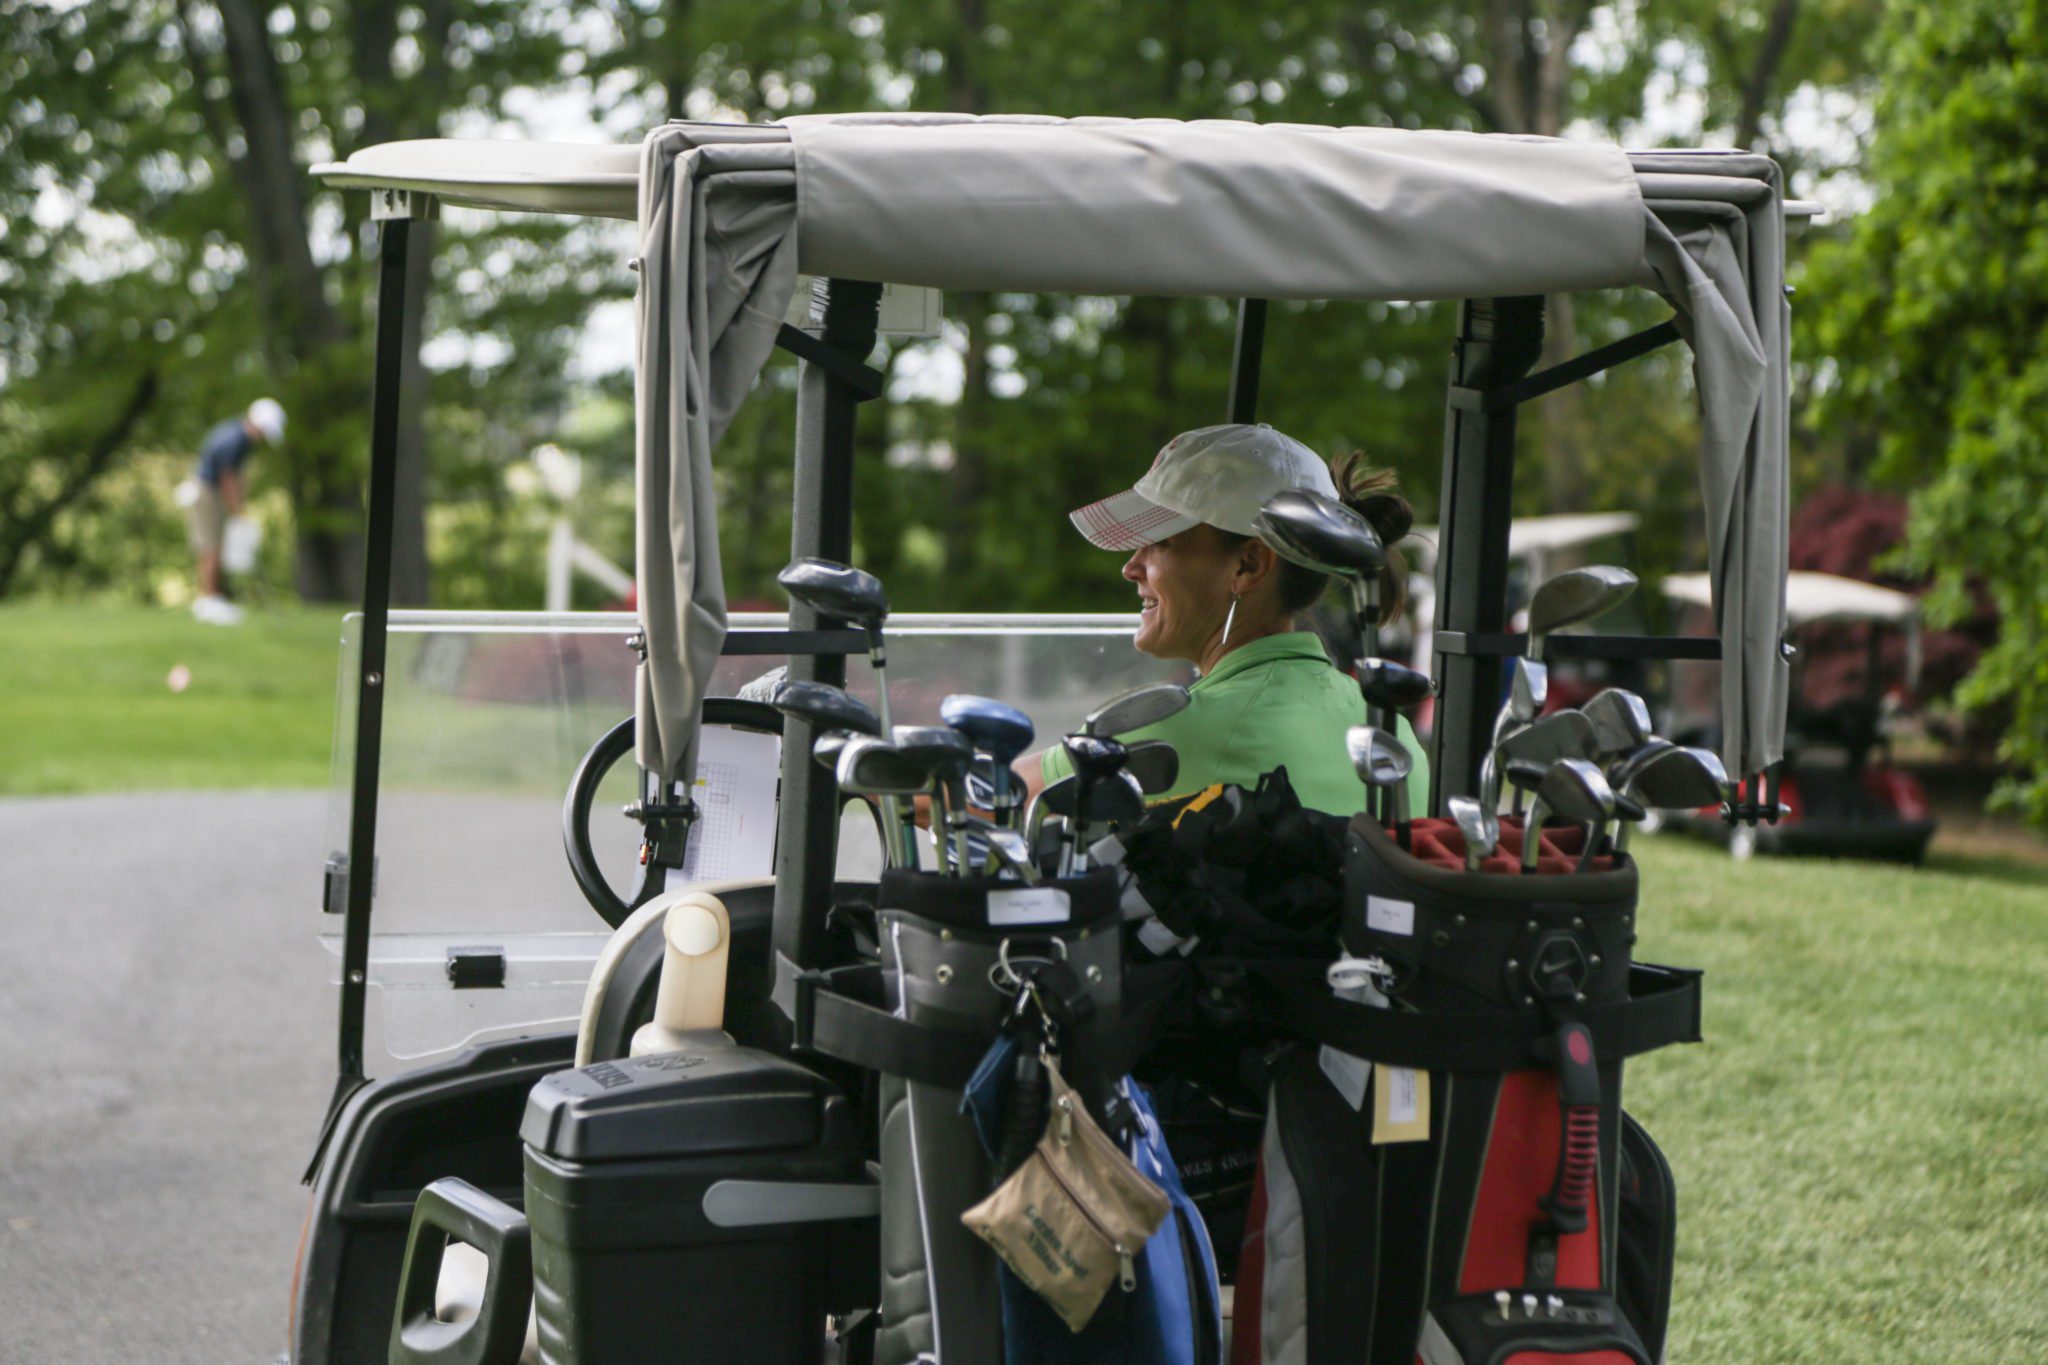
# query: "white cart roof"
[728,214]
[1812,597]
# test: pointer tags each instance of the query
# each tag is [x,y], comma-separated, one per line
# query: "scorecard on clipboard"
[734,835]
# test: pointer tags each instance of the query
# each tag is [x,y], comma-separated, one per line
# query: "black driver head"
[1094,756]
[837,590]
[1391,686]
[826,707]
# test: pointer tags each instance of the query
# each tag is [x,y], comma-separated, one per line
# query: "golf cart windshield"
[485,715]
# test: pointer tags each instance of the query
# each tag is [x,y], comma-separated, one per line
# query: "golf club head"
[1576,595]
[1094,756]
[826,707]
[837,590]
[1320,533]
[1379,759]
[1621,770]
[1528,693]
[1136,709]
[1479,826]
[1620,720]
[1391,686]
[997,728]
[981,784]
[1009,849]
[828,746]
[1156,765]
[943,750]
[1679,779]
[1575,789]
[875,767]
[1561,734]
[1116,800]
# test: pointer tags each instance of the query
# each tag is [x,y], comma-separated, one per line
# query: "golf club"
[825,707]
[1479,826]
[874,767]
[1093,758]
[833,589]
[1324,535]
[1572,788]
[945,754]
[1674,778]
[1621,723]
[1391,688]
[1573,596]
[1007,848]
[997,729]
[1561,734]
[1136,709]
[1155,764]
[1382,761]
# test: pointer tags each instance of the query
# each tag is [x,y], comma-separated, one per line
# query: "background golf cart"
[460,1116]
[1846,798]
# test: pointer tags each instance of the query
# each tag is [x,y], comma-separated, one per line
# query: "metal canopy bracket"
[865,380]
[1568,372]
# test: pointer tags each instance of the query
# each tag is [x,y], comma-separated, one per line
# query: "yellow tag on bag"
[1072,1219]
[1400,1104]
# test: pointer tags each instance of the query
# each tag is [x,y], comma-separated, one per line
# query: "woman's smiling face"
[1184,585]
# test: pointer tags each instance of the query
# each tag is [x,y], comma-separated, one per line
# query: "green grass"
[1861,1144]
[85,702]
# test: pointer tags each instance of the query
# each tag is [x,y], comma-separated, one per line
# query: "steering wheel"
[615,744]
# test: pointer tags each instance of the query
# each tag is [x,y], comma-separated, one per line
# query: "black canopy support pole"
[399,217]
[1246,359]
[1498,340]
[827,403]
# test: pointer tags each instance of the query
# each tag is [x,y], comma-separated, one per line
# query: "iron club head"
[1136,709]
[1573,596]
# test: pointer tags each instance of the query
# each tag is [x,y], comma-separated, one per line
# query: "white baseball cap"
[267,416]
[1219,475]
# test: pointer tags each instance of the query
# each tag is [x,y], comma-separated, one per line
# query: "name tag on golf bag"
[1072,1219]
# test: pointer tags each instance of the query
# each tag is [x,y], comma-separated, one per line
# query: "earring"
[1228,618]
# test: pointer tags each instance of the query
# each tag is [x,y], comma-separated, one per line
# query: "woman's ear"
[1255,564]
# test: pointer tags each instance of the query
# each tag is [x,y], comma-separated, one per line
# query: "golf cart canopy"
[729,214]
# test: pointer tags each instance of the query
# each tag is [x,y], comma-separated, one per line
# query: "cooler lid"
[698,1102]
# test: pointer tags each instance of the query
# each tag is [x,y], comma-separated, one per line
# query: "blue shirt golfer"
[219,495]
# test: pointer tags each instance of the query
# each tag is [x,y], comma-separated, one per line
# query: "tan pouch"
[1075,1215]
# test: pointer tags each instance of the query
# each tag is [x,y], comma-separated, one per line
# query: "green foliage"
[1934,309]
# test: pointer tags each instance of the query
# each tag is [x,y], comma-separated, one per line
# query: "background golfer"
[215,501]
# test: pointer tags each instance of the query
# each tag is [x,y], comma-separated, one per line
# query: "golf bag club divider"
[712,1202]
[952,951]
[1496,1237]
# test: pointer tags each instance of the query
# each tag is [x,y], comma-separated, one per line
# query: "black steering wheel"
[616,743]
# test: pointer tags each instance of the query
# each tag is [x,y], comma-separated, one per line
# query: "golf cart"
[725,1122]
[1844,798]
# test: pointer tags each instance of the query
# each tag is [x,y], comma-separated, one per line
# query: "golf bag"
[1499,1012]
[953,952]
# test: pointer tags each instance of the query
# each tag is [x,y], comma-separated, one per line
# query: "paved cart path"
[166,1041]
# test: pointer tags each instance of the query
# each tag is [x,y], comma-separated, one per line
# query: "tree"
[1934,311]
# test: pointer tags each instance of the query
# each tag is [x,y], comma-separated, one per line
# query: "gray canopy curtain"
[729,214]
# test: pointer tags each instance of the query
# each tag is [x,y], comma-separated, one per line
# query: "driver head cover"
[1219,475]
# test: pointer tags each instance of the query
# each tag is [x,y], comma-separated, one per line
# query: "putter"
[946,754]
[834,589]
[997,729]
[1136,709]
[1480,826]
[1572,788]
[1382,761]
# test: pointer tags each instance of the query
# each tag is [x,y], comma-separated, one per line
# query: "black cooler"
[696,1205]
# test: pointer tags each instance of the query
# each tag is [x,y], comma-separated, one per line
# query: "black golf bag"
[953,951]
[1498,1009]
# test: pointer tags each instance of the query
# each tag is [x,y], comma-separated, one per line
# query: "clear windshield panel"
[486,717]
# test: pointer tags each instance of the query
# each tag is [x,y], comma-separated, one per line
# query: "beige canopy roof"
[728,214]
[1812,596]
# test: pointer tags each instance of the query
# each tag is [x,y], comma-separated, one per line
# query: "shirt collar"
[1296,644]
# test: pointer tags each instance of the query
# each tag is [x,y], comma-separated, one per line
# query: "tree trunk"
[970,419]
[25,527]
[1758,84]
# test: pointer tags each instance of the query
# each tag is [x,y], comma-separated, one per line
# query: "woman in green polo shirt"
[1212,593]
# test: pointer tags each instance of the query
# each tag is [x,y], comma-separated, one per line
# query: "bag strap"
[1663,1008]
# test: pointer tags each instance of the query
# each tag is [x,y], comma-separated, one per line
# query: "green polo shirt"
[1276,702]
